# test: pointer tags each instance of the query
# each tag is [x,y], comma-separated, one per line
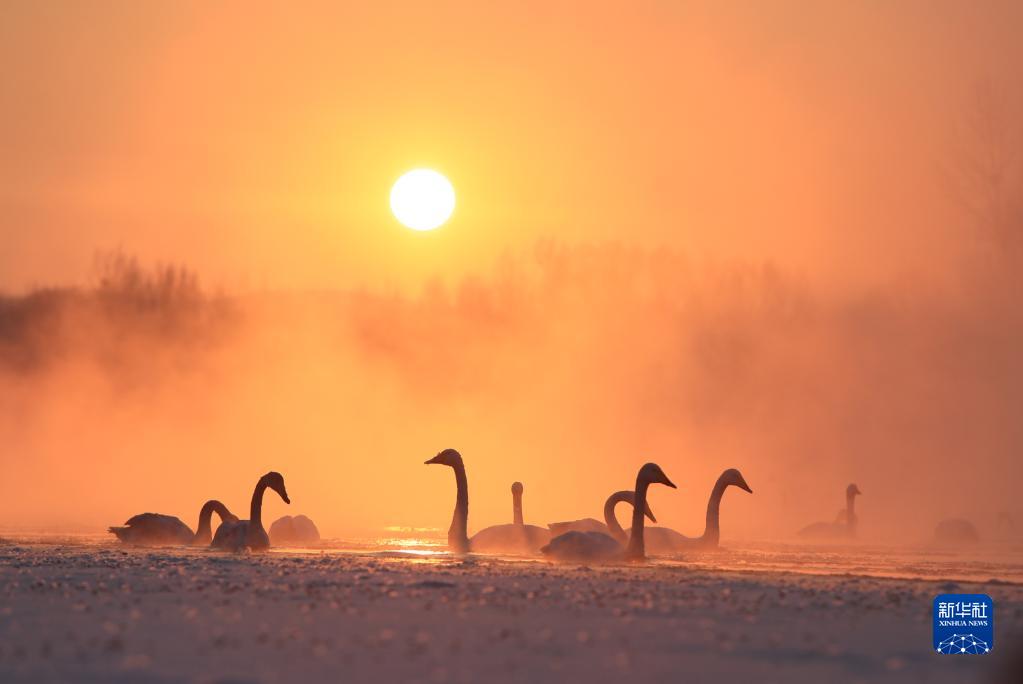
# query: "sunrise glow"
[422,199]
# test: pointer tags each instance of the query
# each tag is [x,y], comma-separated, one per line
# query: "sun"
[422,199]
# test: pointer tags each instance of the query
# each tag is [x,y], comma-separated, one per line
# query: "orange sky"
[257,143]
[825,310]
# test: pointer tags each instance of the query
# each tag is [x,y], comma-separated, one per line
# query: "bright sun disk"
[422,199]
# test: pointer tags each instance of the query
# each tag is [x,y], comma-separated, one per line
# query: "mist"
[785,239]
[565,367]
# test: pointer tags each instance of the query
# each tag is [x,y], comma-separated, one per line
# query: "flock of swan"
[584,539]
[155,529]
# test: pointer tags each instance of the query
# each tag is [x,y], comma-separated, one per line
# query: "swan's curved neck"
[458,537]
[206,515]
[517,508]
[850,509]
[611,521]
[636,549]
[256,507]
[712,530]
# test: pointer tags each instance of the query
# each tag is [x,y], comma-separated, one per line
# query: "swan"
[610,525]
[156,529]
[956,531]
[1005,526]
[514,538]
[297,529]
[250,533]
[663,539]
[599,546]
[458,539]
[841,527]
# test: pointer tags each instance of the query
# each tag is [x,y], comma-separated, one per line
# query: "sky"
[257,142]
[728,234]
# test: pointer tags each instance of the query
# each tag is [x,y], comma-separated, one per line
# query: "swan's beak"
[432,460]
[668,482]
[650,514]
[284,494]
[743,485]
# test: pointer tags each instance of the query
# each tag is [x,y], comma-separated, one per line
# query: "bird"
[458,538]
[290,530]
[956,531]
[516,537]
[841,527]
[249,534]
[663,539]
[1005,526]
[156,529]
[610,525]
[596,546]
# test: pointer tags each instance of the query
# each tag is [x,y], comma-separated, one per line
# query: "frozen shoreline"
[103,613]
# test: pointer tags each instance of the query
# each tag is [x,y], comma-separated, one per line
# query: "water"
[986,563]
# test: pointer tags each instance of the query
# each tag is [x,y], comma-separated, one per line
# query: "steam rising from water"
[566,368]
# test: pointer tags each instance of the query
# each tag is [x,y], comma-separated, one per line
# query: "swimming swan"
[663,539]
[293,530]
[603,547]
[840,528]
[155,529]
[514,538]
[458,539]
[249,534]
[610,525]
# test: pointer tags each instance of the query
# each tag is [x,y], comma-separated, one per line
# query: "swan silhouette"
[458,539]
[156,529]
[1005,526]
[844,525]
[956,531]
[603,547]
[514,538]
[293,530]
[610,525]
[249,534]
[663,539]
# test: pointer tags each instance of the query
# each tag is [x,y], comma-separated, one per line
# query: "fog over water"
[786,239]
[566,369]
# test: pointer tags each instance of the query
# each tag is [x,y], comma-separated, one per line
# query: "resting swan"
[249,534]
[155,529]
[610,525]
[956,531]
[840,528]
[514,538]
[602,547]
[291,530]
[663,539]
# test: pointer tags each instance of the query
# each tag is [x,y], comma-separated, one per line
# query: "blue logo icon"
[964,624]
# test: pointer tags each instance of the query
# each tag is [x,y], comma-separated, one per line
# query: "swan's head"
[448,457]
[226,516]
[852,490]
[275,481]
[516,488]
[652,473]
[734,477]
